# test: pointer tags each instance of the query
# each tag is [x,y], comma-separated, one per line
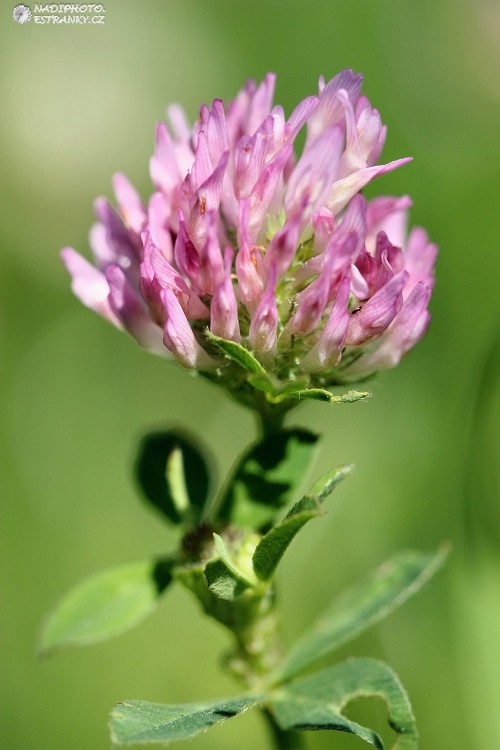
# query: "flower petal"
[330,109]
[260,103]
[283,246]
[405,331]
[249,264]
[158,274]
[314,174]
[344,189]
[163,164]
[159,220]
[420,257]
[224,307]
[326,352]
[179,336]
[129,201]
[89,285]
[264,190]
[264,325]
[387,214]
[216,129]
[376,315]
[110,240]
[129,309]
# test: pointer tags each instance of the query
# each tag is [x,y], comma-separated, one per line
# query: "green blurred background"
[80,103]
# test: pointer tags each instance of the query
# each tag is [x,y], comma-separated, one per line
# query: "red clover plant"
[271,275]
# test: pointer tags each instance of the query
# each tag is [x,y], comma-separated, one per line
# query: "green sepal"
[267,477]
[106,605]
[276,389]
[224,577]
[134,722]
[234,613]
[173,475]
[229,559]
[263,382]
[237,354]
[223,581]
[362,606]
[273,545]
[317,702]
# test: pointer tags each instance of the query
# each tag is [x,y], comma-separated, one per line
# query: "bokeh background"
[80,103]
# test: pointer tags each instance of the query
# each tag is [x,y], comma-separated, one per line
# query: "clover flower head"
[264,270]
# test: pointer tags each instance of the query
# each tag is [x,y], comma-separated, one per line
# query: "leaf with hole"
[318,702]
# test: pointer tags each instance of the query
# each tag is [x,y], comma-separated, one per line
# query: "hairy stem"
[258,644]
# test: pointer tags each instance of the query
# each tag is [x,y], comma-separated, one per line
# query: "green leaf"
[176,481]
[317,701]
[173,475]
[140,721]
[237,353]
[106,605]
[349,397]
[273,545]
[362,606]
[321,394]
[313,394]
[325,485]
[267,477]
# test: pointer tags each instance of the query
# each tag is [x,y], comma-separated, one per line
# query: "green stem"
[283,739]
[258,643]
[270,417]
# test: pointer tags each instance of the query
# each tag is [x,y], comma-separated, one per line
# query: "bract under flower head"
[260,268]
